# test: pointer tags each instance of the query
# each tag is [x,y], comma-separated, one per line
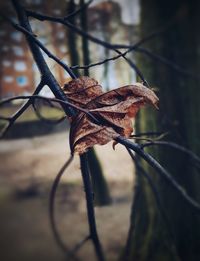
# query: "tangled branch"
[47,78]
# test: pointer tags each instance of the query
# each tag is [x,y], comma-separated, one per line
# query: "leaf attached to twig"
[113,110]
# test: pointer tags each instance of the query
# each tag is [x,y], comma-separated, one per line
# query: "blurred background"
[33,150]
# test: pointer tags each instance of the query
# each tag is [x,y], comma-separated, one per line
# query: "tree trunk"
[102,196]
[101,191]
[179,115]
[72,37]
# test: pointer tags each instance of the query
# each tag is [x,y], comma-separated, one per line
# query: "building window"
[22,81]
[18,51]
[34,67]
[8,79]
[6,63]
[60,35]
[16,36]
[63,49]
[20,66]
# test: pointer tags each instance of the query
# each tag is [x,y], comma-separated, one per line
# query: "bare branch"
[52,196]
[18,113]
[166,62]
[150,133]
[33,97]
[77,30]
[43,17]
[134,210]
[4,118]
[176,146]
[162,171]
[135,68]
[141,171]
[33,37]
[72,252]
[90,207]
[39,59]
[84,6]
[44,119]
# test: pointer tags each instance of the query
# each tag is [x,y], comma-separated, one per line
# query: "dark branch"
[52,203]
[134,211]
[33,38]
[135,68]
[90,207]
[39,59]
[162,171]
[166,62]
[176,146]
[18,113]
[33,97]
[44,119]
[77,247]
[59,94]
[140,170]
[77,30]
[79,10]
[161,209]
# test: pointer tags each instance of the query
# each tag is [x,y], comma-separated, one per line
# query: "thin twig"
[134,210]
[44,119]
[173,145]
[84,6]
[33,97]
[4,118]
[162,171]
[52,197]
[166,62]
[90,207]
[39,59]
[161,209]
[149,133]
[141,171]
[59,94]
[77,247]
[18,113]
[134,67]
[75,29]
[43,17]
[140,137]
[33,37]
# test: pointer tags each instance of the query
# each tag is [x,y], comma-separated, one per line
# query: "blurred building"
[18,71]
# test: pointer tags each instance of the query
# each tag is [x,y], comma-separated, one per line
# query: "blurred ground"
[24,223]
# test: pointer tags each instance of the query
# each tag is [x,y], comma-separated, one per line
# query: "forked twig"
[162,171]
[11,120]
[48,79]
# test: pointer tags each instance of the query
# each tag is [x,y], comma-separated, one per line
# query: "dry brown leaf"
[114,110]
[82,90]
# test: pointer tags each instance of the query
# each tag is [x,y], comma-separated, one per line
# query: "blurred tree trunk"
[102,196]
[72,37]
[180,114]
[101,191]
